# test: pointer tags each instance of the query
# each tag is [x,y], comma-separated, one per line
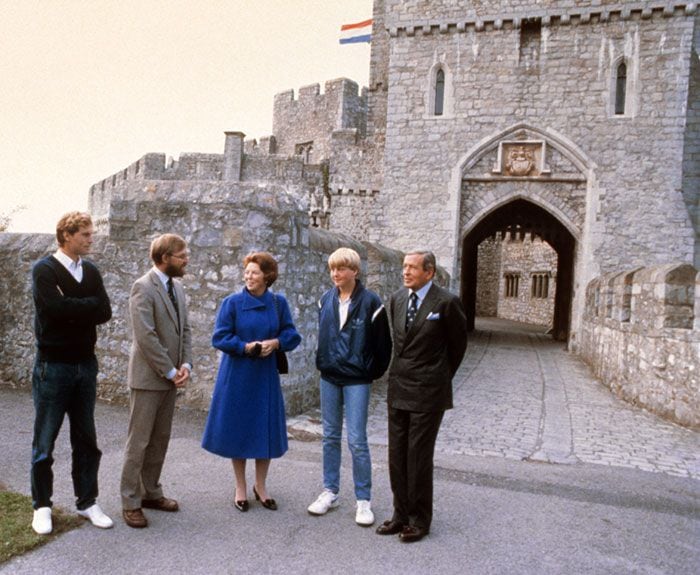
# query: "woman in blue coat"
[246,417]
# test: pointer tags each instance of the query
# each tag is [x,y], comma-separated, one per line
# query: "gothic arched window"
[439,92]
[620,88]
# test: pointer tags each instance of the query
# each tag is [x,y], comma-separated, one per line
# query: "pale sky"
[89,86]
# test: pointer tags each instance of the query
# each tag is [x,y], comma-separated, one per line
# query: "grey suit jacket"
[426,356]
[159,341]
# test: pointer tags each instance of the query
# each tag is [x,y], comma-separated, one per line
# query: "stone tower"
[574,121]
[575,124]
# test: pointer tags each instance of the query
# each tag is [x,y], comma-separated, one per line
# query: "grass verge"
[16,533]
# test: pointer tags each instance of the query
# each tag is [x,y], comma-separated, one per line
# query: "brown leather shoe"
[411,534]
[390,527]
[135,518]
[162,504]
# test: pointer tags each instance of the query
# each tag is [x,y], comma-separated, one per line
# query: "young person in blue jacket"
[354,348]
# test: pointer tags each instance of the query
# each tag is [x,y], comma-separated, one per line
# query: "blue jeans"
[59,389]
[355,398]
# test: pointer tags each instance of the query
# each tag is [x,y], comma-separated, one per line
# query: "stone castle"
[541,149]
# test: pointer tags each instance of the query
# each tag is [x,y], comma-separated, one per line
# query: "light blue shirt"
[421,293]
[163,277]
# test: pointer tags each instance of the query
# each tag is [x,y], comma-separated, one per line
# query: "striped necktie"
[412,309]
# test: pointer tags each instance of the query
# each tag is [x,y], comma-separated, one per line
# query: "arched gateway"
[525,181]
[520,217]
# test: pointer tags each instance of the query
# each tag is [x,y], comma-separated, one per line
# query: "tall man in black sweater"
[70,301]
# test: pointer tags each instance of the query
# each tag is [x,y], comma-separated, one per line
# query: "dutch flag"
[357,33]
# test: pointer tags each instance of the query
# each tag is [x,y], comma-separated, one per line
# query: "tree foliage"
[6,217]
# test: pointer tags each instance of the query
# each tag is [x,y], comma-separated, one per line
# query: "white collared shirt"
[74,268]
[343,307]
[421,293]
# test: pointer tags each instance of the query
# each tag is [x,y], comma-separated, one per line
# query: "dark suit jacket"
[160,341]
[426,356]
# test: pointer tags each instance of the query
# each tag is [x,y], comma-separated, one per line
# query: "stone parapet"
[222,222]
[641,336]
[248,162]
[303,125]
[414,17]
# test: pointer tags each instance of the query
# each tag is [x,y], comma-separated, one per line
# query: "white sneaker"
[364,515]
[42,521]
[96,517]
[323,503]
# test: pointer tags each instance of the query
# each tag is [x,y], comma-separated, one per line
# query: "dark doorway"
[521,217]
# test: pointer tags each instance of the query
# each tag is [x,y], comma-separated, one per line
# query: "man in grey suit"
[159,364]
[430,338]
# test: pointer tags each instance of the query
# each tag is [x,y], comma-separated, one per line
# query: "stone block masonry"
[641,337]
[629,188]
[222,223]
[534,263]
[305,124]
[530,119]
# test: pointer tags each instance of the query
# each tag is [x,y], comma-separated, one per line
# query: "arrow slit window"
[620,88]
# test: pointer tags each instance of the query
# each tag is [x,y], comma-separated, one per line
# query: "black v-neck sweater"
[67,311]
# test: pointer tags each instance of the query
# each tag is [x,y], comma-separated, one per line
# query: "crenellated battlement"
[641,335]
[243,161]
[312,92]
[415,18]
[653,298]
[304,125]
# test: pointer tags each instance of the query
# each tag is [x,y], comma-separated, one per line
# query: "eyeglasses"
[180,256]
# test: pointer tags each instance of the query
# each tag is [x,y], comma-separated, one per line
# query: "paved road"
[499,506]
[521,396]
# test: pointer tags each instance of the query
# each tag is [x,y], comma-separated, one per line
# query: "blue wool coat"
[246,418]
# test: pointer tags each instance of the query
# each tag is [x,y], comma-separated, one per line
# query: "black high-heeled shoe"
[241,505]
[266,503]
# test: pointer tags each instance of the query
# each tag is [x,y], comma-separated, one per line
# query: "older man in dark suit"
[159,364]
[430,338]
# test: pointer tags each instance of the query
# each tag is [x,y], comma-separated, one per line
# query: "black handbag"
[281,356]
[282,363]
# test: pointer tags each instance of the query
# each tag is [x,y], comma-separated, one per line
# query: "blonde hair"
[344,257]
[70,223]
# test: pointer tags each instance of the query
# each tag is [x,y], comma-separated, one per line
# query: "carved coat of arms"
[520,161]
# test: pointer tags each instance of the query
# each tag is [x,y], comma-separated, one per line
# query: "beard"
[175,271]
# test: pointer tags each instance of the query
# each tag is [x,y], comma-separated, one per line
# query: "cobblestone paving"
[520,395]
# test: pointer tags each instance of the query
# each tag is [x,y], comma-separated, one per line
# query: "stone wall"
[641,336]
[222,223]
[311,118]
[525,258]
[626,189]
[355,184]
[356,164]
[488,275]
[250,162]
[691,151]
